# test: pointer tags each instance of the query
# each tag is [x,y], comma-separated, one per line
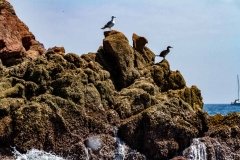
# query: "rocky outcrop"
[16,41]
[115,103]
[58,101]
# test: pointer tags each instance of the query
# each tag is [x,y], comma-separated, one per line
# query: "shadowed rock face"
[63,102]
[16,41]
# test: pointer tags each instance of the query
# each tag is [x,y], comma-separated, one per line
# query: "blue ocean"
[223,109]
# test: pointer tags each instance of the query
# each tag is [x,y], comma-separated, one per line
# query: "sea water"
[223,109]
[197,150]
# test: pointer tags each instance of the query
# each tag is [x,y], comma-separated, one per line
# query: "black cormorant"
[165,52]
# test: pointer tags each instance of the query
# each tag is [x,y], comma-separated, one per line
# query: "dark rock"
[224,136]
[74,59]
[57,50]
[162,130]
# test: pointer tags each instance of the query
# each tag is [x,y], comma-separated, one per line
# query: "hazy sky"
[205,34]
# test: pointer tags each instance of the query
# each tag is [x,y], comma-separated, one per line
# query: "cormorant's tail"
[103,27]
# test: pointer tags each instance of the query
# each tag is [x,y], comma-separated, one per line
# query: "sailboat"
[237,102]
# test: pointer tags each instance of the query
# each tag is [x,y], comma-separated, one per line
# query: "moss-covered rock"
[164,129]
[57,100]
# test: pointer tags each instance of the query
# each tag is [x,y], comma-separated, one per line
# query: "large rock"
[164,129]
[123,60]
[84,106]
[16,41]
[119,57]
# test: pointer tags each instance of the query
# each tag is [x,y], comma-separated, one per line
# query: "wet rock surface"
[116,103]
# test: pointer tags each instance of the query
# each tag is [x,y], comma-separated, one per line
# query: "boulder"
[119,56]
[16,41]
[122,60]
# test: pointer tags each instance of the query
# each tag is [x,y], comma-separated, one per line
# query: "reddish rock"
[16,41]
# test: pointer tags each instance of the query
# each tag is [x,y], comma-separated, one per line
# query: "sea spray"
[35,154]
[87,153]
[123,152]
[197,150]
[93,143]
[120,150]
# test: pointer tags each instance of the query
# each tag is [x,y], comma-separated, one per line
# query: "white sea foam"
[87,153]
[94,142]
[197,150]
[35,154]
[120,150]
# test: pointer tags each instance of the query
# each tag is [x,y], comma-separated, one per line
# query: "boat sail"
[237,102]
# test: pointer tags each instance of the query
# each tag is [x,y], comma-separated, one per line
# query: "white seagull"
[110,24]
